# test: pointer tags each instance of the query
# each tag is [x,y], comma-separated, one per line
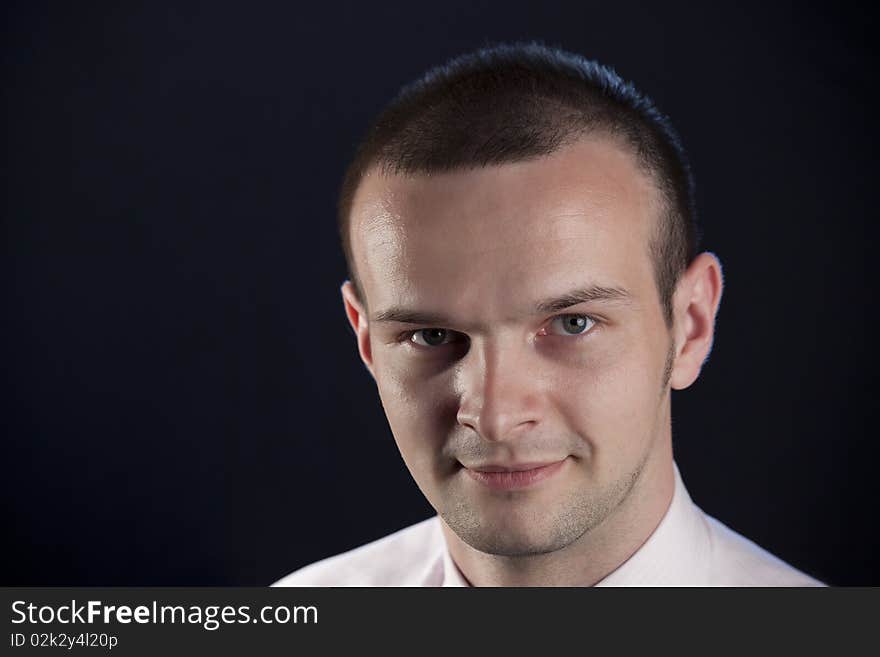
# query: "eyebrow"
[587,294]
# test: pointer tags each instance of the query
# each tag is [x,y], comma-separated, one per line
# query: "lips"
[514,476]
[517,467]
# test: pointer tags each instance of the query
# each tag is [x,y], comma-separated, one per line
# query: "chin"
[518,533]
[509,543]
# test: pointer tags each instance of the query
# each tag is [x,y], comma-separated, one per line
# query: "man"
[525,289]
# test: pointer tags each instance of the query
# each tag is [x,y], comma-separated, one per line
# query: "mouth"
[514,476]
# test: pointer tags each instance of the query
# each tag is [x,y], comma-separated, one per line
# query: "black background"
[183,403]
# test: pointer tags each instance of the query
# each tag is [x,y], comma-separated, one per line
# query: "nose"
[499,390]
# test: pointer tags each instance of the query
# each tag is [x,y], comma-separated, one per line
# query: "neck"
[594,555]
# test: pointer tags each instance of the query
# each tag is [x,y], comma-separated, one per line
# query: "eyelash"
[408,335]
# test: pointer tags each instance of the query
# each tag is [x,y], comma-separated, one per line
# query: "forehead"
[489,240]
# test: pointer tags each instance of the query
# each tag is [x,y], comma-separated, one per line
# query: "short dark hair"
[513,102]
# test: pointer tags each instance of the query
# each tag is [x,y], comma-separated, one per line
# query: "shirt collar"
[451,574]
[676,553]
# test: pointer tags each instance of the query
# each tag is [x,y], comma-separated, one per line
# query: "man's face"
[477,378]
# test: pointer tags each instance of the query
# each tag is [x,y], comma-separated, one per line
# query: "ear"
[357,317]
[695,305]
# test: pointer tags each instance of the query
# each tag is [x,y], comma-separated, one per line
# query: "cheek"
[611,399]
[419,413]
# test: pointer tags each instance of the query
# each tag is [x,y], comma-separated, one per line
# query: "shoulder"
[404,558]
[737,561]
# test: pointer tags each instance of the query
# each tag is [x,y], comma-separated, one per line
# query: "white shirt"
[688,548]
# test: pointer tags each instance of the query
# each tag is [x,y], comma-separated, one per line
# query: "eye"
[573,324]
[431,337]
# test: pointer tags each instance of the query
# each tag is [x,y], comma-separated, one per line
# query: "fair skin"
[475,377]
